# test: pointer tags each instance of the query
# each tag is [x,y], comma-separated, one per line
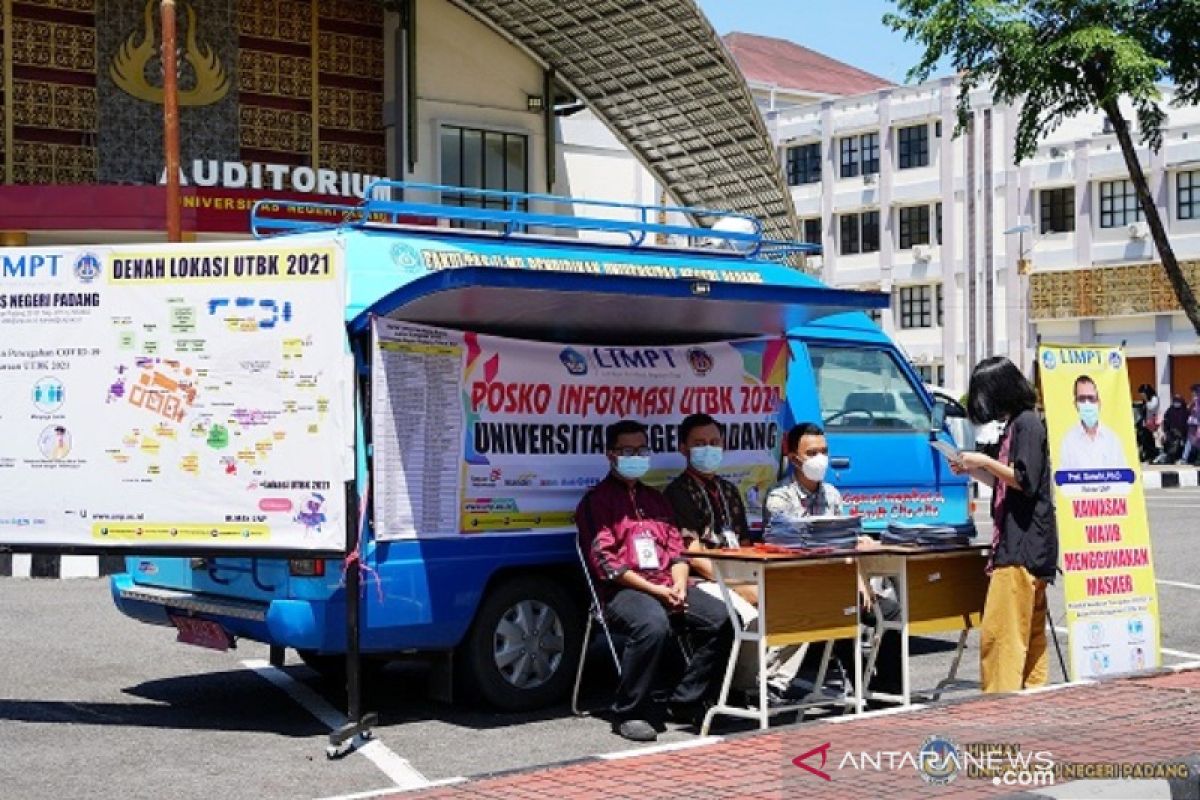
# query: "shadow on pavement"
[221,701]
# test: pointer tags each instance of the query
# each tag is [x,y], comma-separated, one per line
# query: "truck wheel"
[522,649]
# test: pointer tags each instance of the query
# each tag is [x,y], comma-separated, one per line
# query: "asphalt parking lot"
[90,700]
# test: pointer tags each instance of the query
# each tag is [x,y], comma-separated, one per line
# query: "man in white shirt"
[1090,445]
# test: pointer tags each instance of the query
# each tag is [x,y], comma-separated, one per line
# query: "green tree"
[1061,58]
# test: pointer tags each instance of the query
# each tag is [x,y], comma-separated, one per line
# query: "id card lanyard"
[809,504]
[647,555]
[724,510]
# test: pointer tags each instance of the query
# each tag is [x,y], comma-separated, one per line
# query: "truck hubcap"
[528,644]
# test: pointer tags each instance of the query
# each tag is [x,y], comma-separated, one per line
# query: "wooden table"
[805,598]
[939,590]
[802,599]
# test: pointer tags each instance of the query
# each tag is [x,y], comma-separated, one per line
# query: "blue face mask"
[1089,413]
[705,459]
[632,467]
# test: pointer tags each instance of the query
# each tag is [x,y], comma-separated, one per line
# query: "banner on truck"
[477,434]
[1104,538]
[179,396]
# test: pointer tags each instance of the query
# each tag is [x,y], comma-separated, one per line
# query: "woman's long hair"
[998,390]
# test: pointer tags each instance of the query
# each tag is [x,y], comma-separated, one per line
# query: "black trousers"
[888,670]
[644,623]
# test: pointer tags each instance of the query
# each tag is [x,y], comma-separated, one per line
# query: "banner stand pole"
[358,725]
[357,729]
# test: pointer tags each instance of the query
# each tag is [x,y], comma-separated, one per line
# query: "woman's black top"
[1029,536]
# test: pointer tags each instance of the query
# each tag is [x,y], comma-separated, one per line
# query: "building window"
[859,155]
[1187,187]
[940,294]
[850,162]
[804,164]
[870,153]
[914,226]
[937,227]
[913,148]
[932,374]
[916,307]
[1058,210]
[1118,204]
[859,233]
[479,159]
[812,230]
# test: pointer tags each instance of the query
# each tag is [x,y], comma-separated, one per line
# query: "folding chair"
[596,617]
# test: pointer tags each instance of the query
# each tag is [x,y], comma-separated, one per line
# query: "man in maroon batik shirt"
[635,553]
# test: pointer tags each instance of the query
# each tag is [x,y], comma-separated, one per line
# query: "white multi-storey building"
[781,75]
[902,204]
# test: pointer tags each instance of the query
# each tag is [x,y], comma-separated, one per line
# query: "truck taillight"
[306,567]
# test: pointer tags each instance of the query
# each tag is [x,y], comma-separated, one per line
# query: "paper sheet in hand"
[952,453]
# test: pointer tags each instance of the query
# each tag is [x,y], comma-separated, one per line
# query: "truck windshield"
[864,389]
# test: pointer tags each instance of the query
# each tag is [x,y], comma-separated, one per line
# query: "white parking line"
[1167,651]
[397,769]
[670,747]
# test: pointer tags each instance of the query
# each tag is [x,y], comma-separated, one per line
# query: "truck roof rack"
[508,214]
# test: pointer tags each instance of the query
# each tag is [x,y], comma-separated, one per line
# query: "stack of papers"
[926,535]
[804,533]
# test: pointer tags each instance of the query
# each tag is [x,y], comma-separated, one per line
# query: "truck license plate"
[201,632]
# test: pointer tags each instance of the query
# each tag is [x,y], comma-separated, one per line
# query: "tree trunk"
[1183,292]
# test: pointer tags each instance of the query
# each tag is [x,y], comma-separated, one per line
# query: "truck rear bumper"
[288,623]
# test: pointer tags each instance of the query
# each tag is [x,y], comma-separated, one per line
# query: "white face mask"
[815,468]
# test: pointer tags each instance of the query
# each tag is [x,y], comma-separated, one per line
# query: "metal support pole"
[410,83]
[548,85]
[353,609]
[358,725]
[171,120]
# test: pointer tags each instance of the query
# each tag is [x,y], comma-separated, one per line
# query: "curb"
[1170,478]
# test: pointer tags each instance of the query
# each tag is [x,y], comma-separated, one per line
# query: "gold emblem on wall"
[128,67]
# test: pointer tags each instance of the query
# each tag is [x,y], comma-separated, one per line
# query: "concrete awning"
[660,77]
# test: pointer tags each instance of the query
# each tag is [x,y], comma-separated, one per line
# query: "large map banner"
[169,396]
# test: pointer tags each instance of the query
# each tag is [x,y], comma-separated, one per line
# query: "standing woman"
[1025,536]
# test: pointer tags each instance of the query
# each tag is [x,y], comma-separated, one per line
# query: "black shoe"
[688,713]
[635,730]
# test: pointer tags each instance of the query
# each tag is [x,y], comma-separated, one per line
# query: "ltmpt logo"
[574,361]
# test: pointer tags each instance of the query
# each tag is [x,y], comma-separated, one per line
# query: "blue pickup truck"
[465,599]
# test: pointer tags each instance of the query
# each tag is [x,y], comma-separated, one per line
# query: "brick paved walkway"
[1154,718]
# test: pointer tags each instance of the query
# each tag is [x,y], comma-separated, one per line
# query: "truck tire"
[522,648]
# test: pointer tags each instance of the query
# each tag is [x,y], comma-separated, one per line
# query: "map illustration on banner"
[168,397]
[517,427]
[1111,596]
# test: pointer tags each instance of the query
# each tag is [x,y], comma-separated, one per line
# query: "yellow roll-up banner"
[1104,536]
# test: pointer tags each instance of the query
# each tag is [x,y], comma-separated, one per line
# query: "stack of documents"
[926,535]
[805,533]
